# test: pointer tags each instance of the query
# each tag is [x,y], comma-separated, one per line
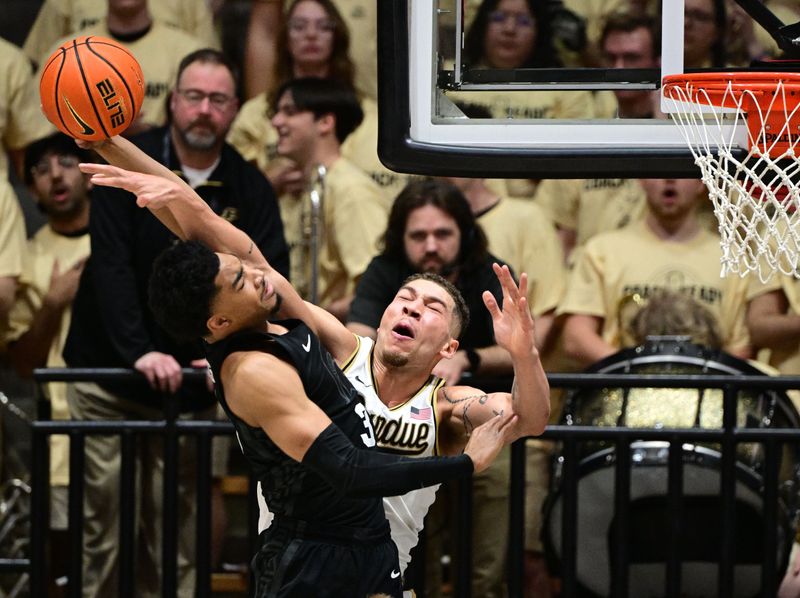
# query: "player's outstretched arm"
[266,392]
[514,331]
[185,213]
[529,398]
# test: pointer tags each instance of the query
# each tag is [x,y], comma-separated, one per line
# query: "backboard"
[425,82]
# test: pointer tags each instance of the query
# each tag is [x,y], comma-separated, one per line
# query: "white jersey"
[408,429]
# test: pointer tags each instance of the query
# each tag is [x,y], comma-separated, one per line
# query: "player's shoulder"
[252,368]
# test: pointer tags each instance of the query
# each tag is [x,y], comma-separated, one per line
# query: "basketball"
[91,88]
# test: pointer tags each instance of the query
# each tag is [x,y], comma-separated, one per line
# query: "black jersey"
[290,489]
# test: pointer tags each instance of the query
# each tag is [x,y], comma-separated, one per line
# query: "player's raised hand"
[486,440]
[513,325]
[151,191]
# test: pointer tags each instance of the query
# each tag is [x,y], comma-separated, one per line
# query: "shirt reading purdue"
[408,429]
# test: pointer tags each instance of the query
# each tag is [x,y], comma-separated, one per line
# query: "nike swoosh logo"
[362,383]
[87,130]
[307,346]
[394,574]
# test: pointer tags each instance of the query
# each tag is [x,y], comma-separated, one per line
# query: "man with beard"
[432,229]
[113,327]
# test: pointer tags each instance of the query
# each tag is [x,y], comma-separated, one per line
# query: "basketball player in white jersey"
[413,413]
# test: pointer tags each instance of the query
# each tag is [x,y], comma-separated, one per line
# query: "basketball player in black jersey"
[300,423]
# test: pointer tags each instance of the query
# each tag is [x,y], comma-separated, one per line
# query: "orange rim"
[775,130]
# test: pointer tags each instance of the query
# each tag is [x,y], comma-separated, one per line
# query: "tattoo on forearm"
[453,401]
[468,425]
[498,413]
[467,402]
[250,250]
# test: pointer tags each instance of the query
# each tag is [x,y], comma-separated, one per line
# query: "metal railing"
[727,438]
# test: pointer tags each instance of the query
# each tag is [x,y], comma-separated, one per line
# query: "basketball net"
[756,198]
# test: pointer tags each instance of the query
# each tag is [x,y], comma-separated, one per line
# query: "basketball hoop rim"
[719,82]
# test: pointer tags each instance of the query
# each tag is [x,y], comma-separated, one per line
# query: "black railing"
[727,438]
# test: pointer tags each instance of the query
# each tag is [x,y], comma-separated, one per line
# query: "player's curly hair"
[182,289]
[460,308]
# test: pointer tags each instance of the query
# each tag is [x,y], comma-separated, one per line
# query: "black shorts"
[297,560]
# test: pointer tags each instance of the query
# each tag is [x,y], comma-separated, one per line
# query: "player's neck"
[72,224]
[676,230]
[127,23]
[397,384]
[326,153]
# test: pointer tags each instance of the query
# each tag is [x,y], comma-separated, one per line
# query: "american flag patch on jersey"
[424,413]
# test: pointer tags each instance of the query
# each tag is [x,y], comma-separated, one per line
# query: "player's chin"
[274,303]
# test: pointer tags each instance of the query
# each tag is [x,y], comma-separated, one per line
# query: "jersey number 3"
[367,437]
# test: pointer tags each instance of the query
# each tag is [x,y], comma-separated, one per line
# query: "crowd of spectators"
[594,250]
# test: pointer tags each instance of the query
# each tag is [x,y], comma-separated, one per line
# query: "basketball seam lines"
[88,90]
[121,78]
[55,89]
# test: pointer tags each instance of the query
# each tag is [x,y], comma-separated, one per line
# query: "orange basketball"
[91,88]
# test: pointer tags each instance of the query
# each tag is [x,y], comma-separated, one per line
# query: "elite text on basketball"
[109,95]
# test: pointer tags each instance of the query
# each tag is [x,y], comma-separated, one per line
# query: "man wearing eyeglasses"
[113,327]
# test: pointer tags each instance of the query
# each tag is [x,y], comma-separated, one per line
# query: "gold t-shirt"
[43,249]
[59,19]
[784,359]
[12,231]
[21,119]
[617,265]
[361,17]
[591,206]
[354,215]
[520,235]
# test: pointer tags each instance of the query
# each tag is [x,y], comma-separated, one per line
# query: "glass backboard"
[430,81]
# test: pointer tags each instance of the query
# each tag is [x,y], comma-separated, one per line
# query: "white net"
[756,197]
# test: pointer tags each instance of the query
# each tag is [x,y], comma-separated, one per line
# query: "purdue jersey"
[408,429]
[290,488]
